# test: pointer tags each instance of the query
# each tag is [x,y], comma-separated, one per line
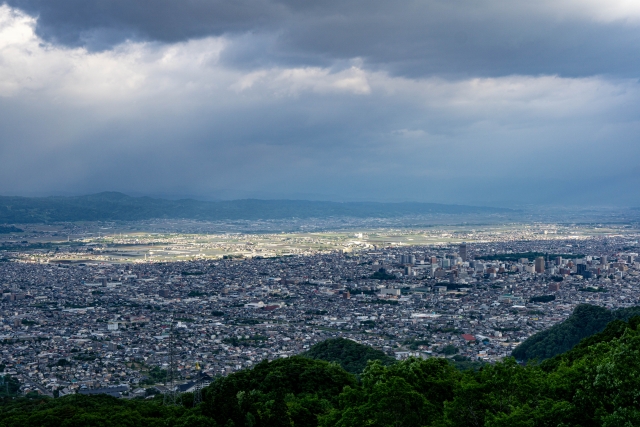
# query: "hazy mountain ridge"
[117,206]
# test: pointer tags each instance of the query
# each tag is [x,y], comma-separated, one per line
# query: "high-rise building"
[463,251]
[407,259]
[604,259]
[558,260]
[581,269]
[539,265]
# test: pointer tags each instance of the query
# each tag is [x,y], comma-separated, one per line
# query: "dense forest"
[585,321]
[593,384]
[111,206]
[351,356]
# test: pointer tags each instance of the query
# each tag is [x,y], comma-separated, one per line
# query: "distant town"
[76,319]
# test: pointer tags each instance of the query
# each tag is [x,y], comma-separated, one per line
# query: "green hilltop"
[350,355]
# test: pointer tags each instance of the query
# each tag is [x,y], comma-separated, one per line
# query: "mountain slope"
[117,206]
[586,320]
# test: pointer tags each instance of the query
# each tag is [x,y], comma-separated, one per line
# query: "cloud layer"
[435,101]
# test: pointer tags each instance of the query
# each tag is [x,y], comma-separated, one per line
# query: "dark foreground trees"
[597,383]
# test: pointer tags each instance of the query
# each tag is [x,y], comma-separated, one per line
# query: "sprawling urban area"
[82,317]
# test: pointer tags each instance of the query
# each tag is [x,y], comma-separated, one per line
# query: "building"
[463,252]
[539,264]
[111,391]
[408,259]
[554,287]
[581,269]
[390,291]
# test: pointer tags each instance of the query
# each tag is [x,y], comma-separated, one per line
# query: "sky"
[494,102]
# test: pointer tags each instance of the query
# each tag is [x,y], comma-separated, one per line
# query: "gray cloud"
[434,101]
[416,38]
[74,22]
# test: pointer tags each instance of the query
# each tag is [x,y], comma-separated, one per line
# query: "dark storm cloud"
[75,21]
[352,100]
[412,38]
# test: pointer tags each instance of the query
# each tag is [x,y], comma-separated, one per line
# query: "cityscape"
[76,321]
[276,213]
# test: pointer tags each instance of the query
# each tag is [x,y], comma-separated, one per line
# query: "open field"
[140,242]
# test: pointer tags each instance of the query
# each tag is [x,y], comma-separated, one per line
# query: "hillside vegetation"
[593,384]
[585,321]
[350,355]
[118,206]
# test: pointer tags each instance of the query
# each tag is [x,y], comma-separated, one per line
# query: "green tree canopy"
[352,356]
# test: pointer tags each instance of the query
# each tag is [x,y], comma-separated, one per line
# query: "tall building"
[581,269]
[604,259]
[558,260]
[539,265]
[463,251]
[407,259]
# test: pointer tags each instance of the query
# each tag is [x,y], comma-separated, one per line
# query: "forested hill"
[350,355]
[594,384]
[118,206]
[585,321]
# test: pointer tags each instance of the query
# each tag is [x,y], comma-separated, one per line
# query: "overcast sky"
[471,102]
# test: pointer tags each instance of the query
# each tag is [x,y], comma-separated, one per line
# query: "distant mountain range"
[112,206]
